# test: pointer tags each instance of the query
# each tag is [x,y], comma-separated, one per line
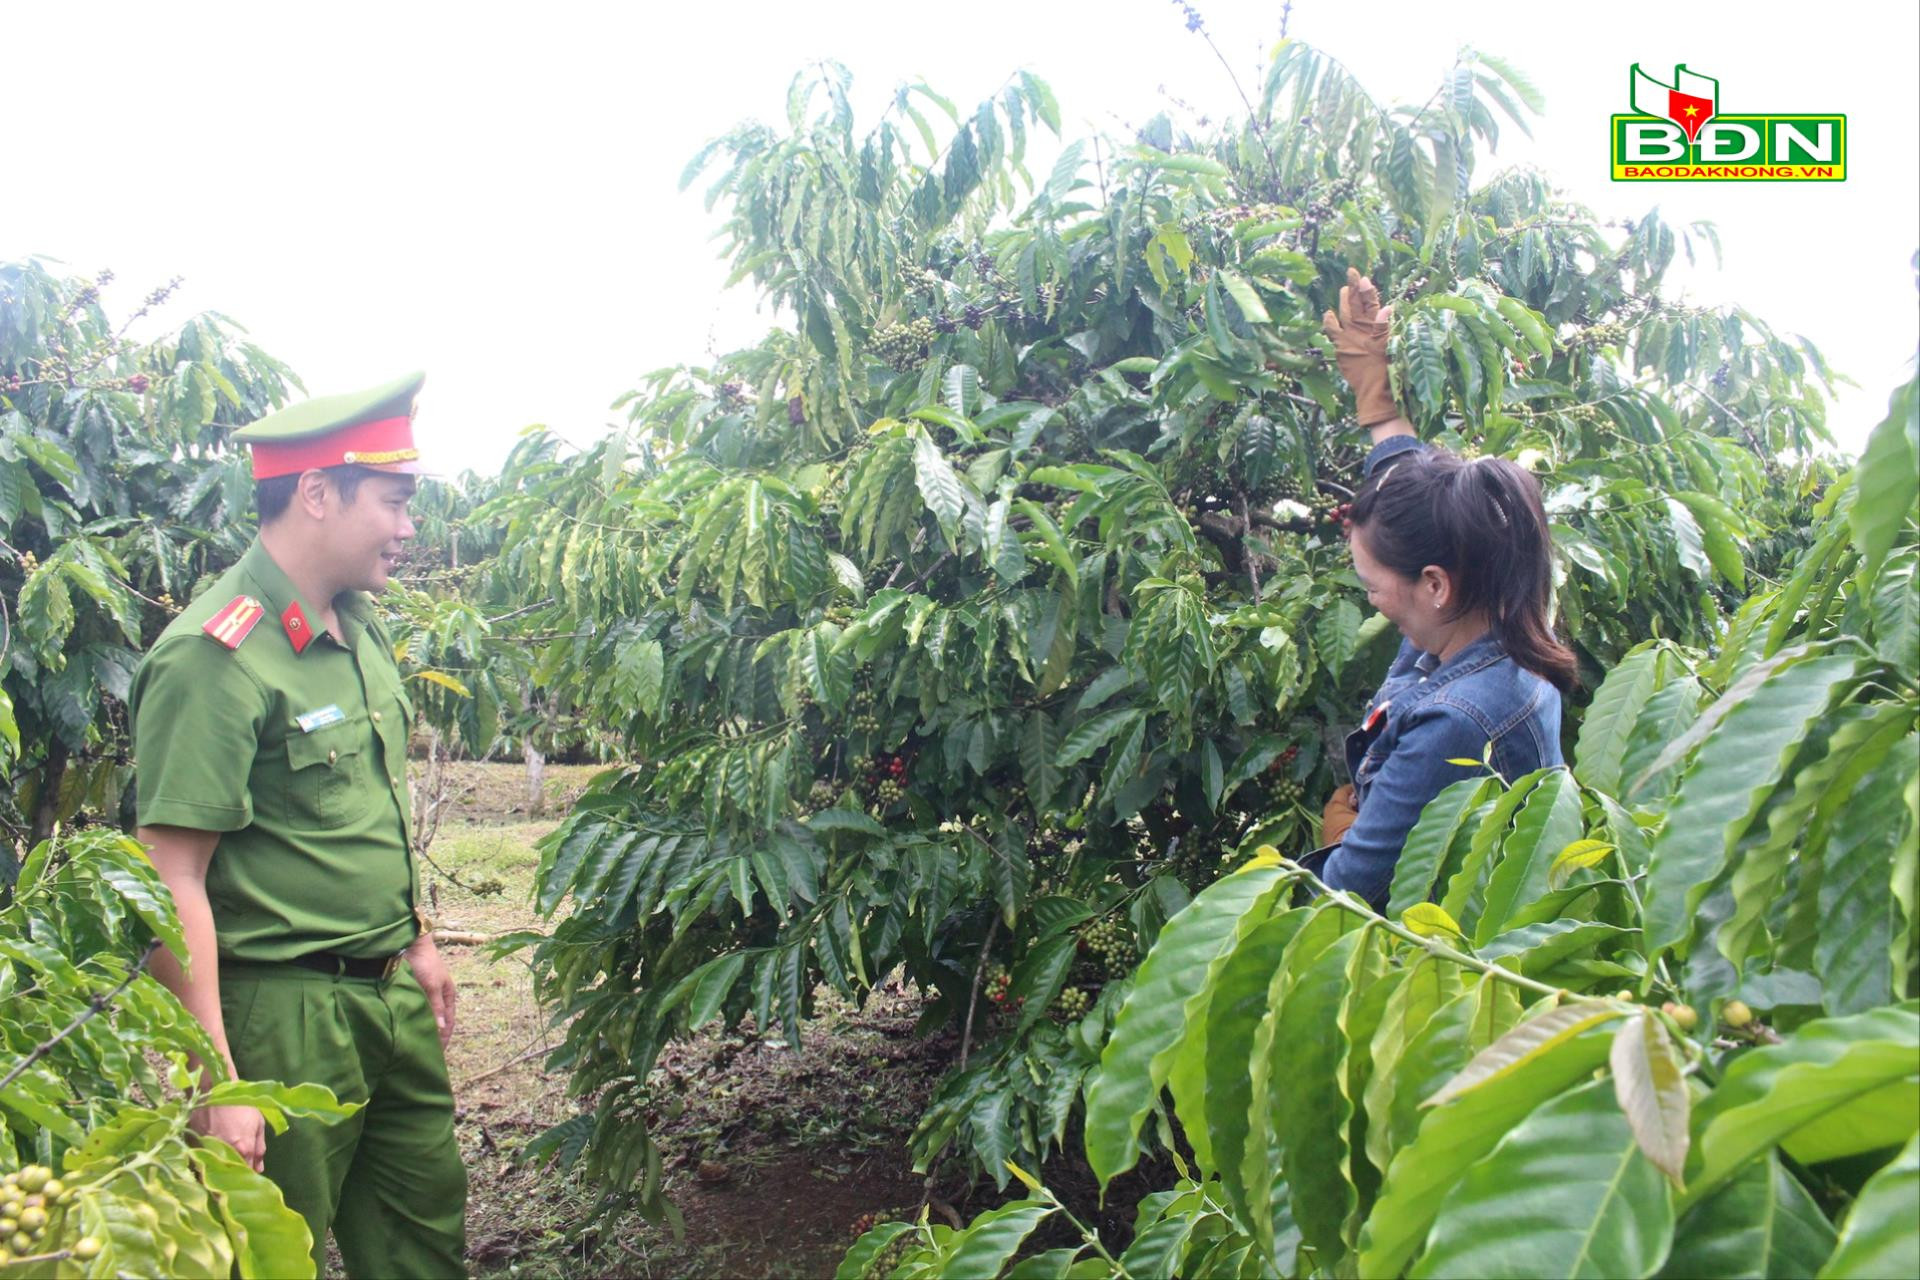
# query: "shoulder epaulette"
[235,621]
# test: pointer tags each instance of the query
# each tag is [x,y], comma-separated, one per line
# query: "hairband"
[1492,495]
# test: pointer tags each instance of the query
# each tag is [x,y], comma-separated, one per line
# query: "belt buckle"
[392,966]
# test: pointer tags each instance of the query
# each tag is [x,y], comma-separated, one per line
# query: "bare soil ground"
[771,1153]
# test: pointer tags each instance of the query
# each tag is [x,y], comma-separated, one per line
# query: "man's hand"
[431,972]
[1359,336]
[242,1128]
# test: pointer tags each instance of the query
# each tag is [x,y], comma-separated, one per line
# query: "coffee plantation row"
[987,626]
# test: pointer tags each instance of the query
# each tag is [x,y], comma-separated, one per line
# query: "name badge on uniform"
[320,719]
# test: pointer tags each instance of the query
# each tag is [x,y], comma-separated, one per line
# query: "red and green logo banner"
[1677,131]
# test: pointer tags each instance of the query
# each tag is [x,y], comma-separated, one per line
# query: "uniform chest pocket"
[323,770]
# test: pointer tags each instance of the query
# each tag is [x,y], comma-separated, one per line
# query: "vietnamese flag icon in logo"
[1689,101]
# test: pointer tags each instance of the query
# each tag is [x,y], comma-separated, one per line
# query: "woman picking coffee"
[1457,555]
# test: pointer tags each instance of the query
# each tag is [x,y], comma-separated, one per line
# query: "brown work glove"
[1359,336]
[1337,816]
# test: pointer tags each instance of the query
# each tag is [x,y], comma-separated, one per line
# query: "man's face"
[365,536]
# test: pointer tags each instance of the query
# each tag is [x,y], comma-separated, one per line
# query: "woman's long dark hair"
[1482,522]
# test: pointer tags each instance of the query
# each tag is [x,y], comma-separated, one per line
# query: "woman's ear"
[1436,588]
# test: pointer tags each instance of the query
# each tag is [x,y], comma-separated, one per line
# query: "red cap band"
[386,444]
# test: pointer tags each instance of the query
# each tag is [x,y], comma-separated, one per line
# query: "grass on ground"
[771,1153]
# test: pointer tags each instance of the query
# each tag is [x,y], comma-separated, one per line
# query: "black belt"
[337,965]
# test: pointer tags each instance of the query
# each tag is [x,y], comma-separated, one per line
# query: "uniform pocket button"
[332,756]
[376,717]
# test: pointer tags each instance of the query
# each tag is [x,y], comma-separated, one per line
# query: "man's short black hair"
[271,496]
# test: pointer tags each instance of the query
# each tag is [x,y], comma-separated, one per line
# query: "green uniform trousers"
[388,1179]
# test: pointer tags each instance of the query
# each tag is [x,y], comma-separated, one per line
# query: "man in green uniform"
[270,732]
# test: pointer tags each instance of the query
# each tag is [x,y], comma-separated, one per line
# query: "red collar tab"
[233,623]
[386,444]
[299,630]
[1377,716]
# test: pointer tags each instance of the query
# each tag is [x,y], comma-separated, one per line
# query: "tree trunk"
[46,806]
[536,774]
[536,760]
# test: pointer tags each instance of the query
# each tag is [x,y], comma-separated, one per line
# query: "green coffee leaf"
[1595,1205]
[1760,1223]
[1880,1236]
[1457,1134]
[1838,1087]
[1533,1038]
[1139,1055]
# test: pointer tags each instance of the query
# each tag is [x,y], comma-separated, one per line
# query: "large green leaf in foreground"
[1567,1193]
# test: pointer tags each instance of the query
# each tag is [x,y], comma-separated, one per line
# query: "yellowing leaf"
[1577,856]
[1430,920]
[1652,1092]
[444,680]
[1264,856]
[1032,1183]
[1524,1043]
[1462,760]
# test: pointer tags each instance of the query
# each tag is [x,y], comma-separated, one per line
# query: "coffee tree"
[118,502]
[99,1175]
[118,498]
[975,622]
[1654,1015]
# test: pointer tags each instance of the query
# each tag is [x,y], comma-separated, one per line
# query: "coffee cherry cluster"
[1602,335]
[1330,512]
[1109,943]
[1684,1016]
[1285,792]
[886,779]
[889,1258]
[904,346]
[922,278]
[25,1197]
[864,720]
[999,988]
[29,563]
[822,794]
[1284,761]
[1229,216]
[1071,1004]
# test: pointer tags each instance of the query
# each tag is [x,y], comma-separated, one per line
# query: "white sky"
[488,191]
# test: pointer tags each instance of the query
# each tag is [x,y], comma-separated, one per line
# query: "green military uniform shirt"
[295,750]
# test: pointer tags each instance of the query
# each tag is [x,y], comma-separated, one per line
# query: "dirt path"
[771,1153]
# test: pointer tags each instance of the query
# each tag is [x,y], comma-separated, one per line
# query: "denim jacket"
[1425,713]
